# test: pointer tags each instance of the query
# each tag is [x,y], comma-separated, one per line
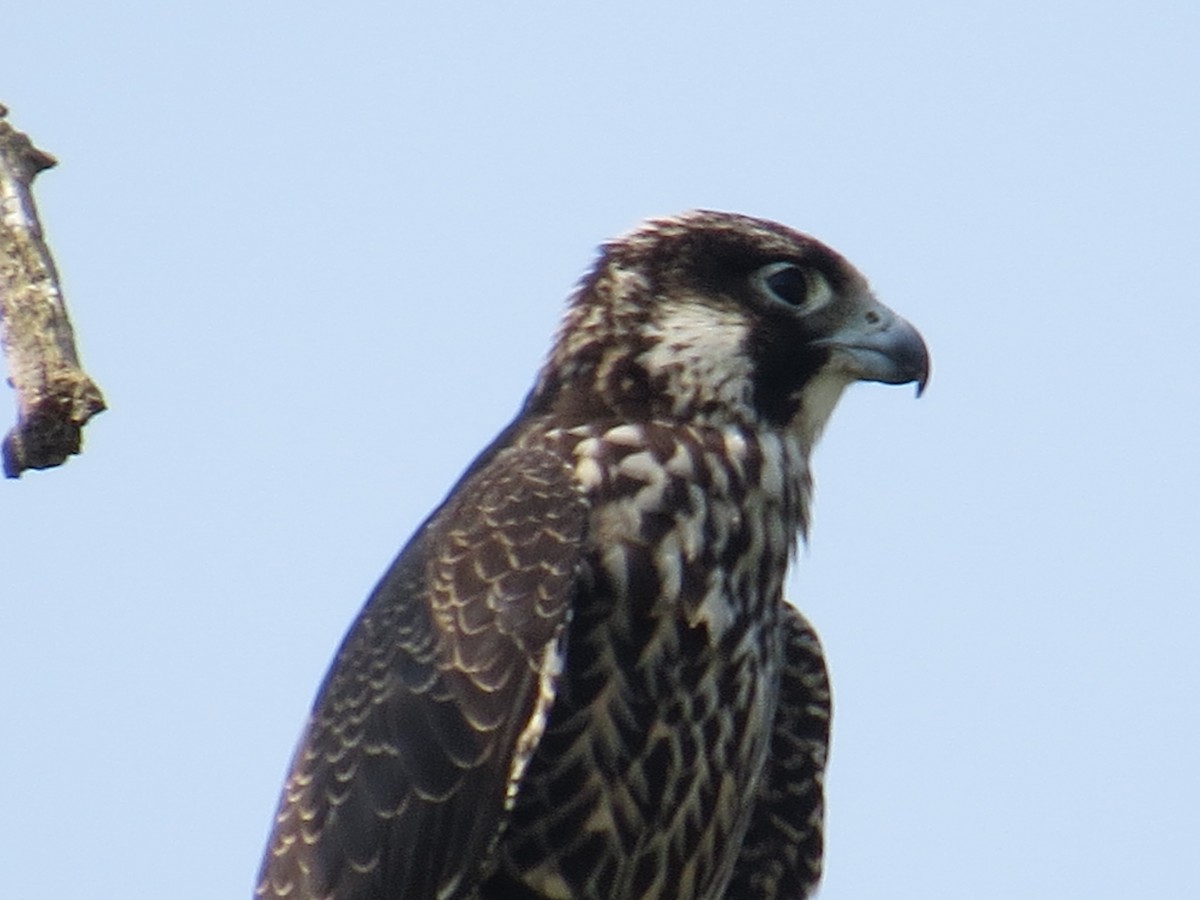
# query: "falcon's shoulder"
[781,853]
[438,695]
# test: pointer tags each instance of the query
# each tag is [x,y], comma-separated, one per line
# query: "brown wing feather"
[436,697]
[781,855]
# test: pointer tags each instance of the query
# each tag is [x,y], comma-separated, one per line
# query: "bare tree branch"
[55,397]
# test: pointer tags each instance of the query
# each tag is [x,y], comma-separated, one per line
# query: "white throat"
[817,399]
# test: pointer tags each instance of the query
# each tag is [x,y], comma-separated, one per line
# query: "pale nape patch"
[702,351]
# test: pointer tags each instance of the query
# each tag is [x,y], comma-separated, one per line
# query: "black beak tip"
[921,382]
[921,365]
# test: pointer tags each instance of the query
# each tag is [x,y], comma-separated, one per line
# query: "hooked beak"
[879,345]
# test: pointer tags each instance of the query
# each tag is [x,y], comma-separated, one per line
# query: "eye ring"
[794,286]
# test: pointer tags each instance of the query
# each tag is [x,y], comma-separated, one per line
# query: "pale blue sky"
[314,258]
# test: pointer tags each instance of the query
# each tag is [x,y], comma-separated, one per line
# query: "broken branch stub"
[55,397]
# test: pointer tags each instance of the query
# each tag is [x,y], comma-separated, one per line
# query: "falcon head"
[717,318]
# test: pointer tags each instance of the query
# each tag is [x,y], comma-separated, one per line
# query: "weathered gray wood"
[55,397]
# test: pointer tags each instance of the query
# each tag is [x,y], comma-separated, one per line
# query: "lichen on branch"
[55,397]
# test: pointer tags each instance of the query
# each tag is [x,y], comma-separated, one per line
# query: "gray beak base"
[883,348]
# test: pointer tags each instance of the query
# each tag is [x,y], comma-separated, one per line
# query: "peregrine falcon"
[580,678]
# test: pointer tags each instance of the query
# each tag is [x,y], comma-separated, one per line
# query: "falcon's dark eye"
[790,285]
[801,289]
[787,282]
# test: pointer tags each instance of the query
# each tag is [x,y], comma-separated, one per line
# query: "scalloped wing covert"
[437,697]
